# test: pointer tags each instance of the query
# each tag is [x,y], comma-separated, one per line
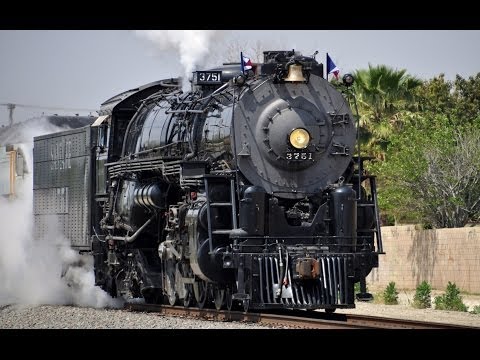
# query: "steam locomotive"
[243,192]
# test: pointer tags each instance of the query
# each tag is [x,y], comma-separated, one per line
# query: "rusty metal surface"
[308,320]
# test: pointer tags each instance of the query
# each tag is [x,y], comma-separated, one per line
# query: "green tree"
[459,100]
[467,97]
[432,169]
[384,97]
[453,175]
[435,96]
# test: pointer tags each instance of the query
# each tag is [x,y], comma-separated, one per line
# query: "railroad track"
[293,318]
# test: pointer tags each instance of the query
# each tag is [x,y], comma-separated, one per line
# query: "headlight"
[299,138]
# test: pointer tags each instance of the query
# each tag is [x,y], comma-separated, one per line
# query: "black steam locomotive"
[241,192]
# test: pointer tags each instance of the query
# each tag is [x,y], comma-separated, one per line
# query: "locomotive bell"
[295,73]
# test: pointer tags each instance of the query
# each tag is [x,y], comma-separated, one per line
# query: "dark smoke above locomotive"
[243,191]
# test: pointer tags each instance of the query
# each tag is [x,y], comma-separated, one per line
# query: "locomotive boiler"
[245,191]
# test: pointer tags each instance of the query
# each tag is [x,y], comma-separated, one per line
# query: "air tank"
[343,212]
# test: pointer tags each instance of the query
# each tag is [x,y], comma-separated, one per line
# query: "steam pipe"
[194,145]
[221,88]
[103,222]
[235,157]
[359,193]
[169,85]
[132,238]
[195,130]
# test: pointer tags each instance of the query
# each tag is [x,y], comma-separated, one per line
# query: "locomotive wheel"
[218,297]
[111,286]
[200,290]
[172,295]
[246,304]
[188,299]
[330,311]
[153,297]
[228,298]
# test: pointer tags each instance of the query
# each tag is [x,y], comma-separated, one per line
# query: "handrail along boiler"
[242,192]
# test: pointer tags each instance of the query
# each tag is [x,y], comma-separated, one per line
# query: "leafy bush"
[451,300]
[357,288]
[422,298]
[390,295]
[476,309]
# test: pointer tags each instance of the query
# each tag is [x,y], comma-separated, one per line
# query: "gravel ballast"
[72,317]
[404,310]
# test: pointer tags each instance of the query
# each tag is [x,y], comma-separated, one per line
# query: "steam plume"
[192,46]
[30,270]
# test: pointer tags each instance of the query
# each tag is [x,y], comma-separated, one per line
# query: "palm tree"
[385,98]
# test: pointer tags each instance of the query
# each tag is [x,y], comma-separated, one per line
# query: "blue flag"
[332,68]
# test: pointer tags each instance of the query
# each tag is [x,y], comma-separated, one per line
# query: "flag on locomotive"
[246,63]
[332,68]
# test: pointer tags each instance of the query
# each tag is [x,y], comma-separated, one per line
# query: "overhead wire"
[46,107]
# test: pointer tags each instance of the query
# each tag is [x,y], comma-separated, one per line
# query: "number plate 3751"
[299,156]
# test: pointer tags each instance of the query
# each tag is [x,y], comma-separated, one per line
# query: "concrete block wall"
[436,256]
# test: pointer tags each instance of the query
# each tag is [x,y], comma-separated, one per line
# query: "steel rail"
[294,318]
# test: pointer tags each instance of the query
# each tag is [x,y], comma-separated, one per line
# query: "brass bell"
[295,73]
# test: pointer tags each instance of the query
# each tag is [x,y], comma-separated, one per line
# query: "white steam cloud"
[41,272]
[192,46]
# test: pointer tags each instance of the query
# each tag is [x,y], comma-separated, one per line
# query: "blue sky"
[81,69]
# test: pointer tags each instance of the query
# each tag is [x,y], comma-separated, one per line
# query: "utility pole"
[13,172]
[10,108]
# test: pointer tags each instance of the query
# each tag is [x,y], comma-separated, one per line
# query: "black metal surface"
[343,211]
[331,289]
[213,187]
[271,111]
[252,211]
